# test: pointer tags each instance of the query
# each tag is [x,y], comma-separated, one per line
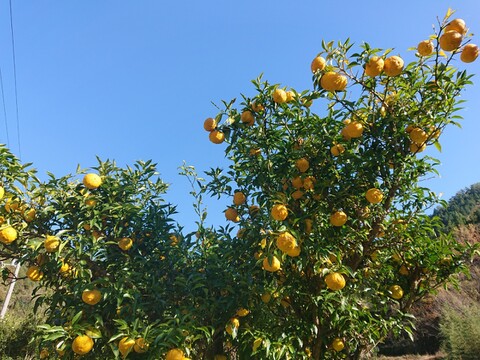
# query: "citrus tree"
[330,206]
[113,270]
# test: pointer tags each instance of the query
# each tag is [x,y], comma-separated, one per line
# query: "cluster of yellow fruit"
[16,212]
[451,40]
[281,96]
[52,243]
[330,80]
[391,66]
[234,322]
[231,213]
[216,136]
[127,344]
[83,344]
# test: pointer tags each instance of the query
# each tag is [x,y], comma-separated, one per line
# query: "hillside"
[462,209]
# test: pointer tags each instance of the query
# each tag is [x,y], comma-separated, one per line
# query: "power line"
[15,80]
[4,107]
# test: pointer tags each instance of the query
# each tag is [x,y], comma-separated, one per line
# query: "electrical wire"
[15,81]
[4,108]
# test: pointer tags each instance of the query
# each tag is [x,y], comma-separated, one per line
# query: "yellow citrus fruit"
[266,297]
[404,270]
[125,243]
[242,312]
[125,345]
[450,40]
[318,64]
[257,107]
[457,25]
[354,129]
[91,297]
[332,81]
[280,96]
[338,218]
[338,344]
[34,273]
[416,148]
[307,102]
[239,198]
[309,182]
[209,124]
[396,292]
[335,281]
[2,192]
[173,240]
[90,201]
[256,344]
[235,322]
[247,118]
[255,152]
[51,243]
[302,164]
[308,226]
[425,47]
[290,96]
[297,194]
[272,266]
[374,67]
[294,252]
[82,344]
[286,242]
[337,149]
[216,137]
[141,346]
[345,134]
[64,268]
[174,354]
[393,65]
[374,195]
[418,135]
[12,205]
[8,235]
[297,182]
[279,212]
[469,53]
[232,215]
[29,215]
[92,181]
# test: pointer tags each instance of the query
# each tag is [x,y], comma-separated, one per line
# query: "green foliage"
[460,328]
[461,209]
[17,338]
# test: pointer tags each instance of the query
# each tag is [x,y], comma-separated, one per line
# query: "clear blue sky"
[129,80]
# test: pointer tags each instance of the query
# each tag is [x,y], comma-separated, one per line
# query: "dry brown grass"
[413,357]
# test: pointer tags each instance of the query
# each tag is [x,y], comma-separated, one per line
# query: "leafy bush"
[460,328]
[16,338]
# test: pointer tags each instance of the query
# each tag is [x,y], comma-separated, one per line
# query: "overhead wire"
[15,80]
[4,108]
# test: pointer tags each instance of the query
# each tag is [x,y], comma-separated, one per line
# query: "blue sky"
[130,80]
